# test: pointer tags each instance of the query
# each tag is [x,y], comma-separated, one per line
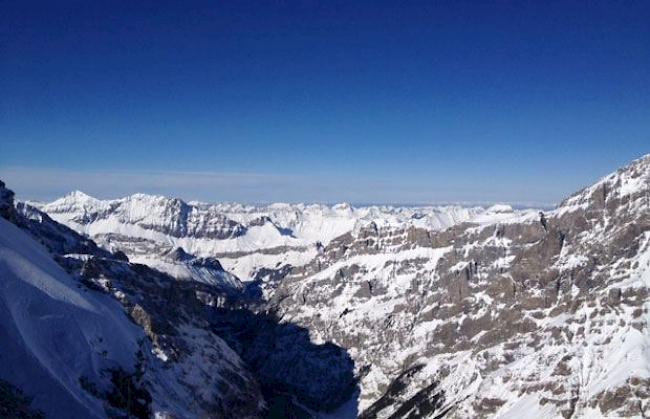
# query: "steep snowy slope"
[53,332]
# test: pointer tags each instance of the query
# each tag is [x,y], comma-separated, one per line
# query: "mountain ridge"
[245,238]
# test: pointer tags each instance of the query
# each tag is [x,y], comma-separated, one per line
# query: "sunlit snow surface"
[52,332]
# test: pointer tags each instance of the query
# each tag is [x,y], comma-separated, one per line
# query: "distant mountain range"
[246,239]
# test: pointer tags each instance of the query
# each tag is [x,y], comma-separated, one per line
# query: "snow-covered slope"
[53,333]
[246,239]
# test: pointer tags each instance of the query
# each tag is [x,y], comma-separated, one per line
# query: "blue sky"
[399,102]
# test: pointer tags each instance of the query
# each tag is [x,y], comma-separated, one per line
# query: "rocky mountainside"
[532,316]
[378,312]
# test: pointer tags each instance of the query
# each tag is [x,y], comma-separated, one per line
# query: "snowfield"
[53,332]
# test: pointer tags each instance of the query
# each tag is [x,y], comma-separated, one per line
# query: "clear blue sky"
[328,101]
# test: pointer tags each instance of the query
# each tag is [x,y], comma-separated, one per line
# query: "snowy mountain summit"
[294,310]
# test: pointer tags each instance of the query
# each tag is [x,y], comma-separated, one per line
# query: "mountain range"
[148,306]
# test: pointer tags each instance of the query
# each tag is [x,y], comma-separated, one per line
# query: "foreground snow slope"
[52,332]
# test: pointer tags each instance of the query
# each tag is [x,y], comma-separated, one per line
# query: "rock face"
[6,201]
[421,313]
[528,317]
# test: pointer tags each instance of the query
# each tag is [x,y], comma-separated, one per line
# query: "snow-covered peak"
[630,183]
[77,198]
[77,204]
[79,195]
[500,208]
[343,207]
